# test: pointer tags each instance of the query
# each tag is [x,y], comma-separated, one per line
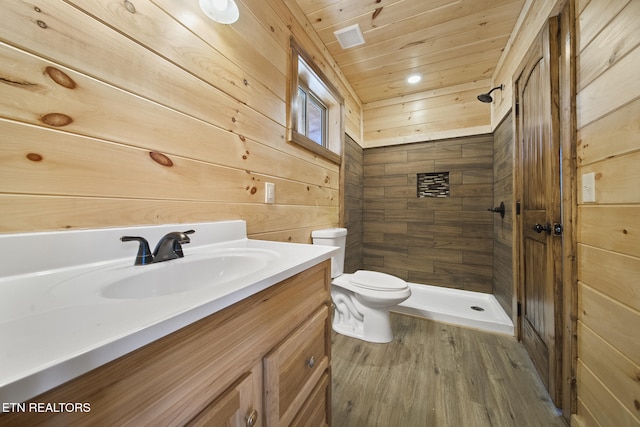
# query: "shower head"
[486,97]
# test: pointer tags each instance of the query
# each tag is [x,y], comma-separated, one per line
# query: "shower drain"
[477,308]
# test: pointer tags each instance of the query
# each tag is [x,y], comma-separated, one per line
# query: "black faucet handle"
[183,239]
[144,256]
[180,237]
[170,246]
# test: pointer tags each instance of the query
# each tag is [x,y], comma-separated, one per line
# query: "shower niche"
[433,185]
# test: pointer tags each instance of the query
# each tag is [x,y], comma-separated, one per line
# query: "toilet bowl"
[362,300]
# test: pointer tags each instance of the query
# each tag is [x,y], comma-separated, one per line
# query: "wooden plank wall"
[120,113]
[532,18]
[503,142]
[445,105]
[448,112]
[442,241]
[608,122]
[353,204]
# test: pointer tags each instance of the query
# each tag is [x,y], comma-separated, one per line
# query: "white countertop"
[50,333]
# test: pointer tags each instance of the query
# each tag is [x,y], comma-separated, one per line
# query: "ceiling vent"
[350,36]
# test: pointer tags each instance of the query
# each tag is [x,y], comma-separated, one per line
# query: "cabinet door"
[294,368]
[239,406]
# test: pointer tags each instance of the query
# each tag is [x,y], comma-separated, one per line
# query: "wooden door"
[540,241]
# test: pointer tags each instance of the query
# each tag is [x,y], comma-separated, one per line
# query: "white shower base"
[454,306]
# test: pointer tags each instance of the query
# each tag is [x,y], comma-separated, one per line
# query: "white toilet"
[362,300]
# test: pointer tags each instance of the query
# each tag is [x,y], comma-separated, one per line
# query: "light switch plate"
[588,187]
[269,192]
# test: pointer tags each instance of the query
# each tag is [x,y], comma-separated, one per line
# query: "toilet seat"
[377,281]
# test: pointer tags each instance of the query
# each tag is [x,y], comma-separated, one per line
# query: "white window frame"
[311,99]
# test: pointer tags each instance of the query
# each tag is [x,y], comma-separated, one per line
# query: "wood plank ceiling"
[448,42]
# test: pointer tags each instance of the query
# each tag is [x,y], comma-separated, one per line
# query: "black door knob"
[539,228]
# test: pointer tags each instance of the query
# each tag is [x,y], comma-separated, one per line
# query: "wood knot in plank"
[160,158]
[34,157]
[376,13]
[60,77]
[131,8]
[56,119]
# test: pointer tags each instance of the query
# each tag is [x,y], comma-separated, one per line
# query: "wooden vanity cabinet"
[314,411]
[239,405]
[265,361]
[293,369]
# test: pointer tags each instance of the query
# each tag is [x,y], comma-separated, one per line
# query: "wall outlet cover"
[588,187]
[269,192]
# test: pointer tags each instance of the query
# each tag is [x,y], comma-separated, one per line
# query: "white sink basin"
[86,304]
[193,272]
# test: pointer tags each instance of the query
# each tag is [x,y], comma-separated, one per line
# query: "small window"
[312,116]
[316,108]
[316,120]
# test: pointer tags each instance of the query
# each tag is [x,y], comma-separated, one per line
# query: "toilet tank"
[332,237]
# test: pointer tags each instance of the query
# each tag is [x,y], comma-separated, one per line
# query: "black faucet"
[169,247]
[144,256]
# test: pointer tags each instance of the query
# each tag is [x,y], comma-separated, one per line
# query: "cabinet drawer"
[316,410]
[293,369]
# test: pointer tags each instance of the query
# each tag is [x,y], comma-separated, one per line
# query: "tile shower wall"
[438,241]
[503,227]
[352,204]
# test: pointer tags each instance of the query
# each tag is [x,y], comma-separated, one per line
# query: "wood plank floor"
[437,375]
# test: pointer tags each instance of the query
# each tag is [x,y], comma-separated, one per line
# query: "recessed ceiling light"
[222,11]
[414,78]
